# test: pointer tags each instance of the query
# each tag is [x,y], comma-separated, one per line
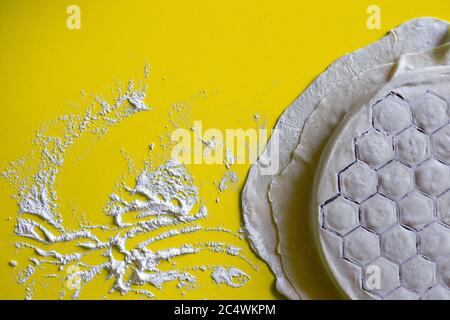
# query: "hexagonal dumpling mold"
[392,209]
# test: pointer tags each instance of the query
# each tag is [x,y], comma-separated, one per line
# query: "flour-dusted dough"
[279,202]
[390,199]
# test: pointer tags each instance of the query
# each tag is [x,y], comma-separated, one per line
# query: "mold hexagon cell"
[391,115]
[444,272]
[432,177]
[340,215]
[416,210]
[361,246]
[378,213]
[374,148]
[437,293]
[443,208]
[358,182]
[398,244]
[388,273]
[434,241]
[395,179]
[430,113]
[411,146]
[440,141]
[418,274]
[402,294]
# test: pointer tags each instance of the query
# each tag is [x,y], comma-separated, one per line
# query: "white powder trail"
[232,277]
[168,198]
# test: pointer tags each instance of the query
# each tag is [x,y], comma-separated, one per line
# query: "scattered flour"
[229,159]
[229,177]
[167,205]
[230,276]
[12,263]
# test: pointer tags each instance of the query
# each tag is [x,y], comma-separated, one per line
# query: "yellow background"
[227,59]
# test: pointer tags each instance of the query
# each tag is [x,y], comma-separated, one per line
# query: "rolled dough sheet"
[372,66]
[300,259]
[382,173]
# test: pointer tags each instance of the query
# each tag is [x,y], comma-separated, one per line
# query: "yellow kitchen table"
[224,64]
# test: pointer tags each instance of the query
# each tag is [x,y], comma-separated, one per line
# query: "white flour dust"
[165,204]
[228,177]
[232,277]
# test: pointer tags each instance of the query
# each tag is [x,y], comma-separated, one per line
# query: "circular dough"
[382,193]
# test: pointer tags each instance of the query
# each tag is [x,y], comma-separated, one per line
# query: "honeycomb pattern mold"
[392,210]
